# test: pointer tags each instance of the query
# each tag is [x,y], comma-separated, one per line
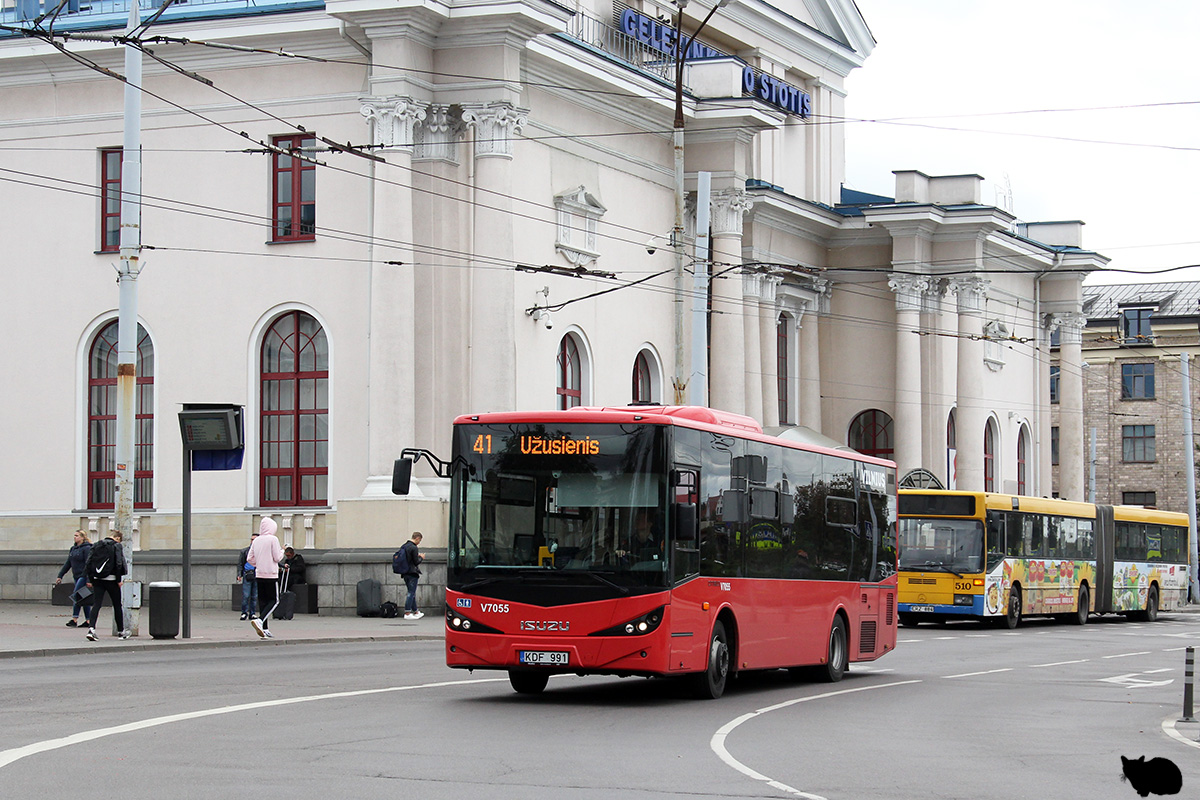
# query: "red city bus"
[661,541]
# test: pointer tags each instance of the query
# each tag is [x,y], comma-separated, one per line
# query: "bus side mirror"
[401,475]
[686,522]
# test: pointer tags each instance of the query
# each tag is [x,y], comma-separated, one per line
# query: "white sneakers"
[258,628]
[91,635]
[126,634]
[414,615]
[267,634]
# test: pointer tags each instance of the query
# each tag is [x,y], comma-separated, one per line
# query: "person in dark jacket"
[77,564]
[246,577]
[293,566]
[105,576]
[412,576]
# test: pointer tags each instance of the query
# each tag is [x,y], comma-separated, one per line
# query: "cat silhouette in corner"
[1156,776]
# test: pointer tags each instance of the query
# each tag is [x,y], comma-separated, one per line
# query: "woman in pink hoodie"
[264,555]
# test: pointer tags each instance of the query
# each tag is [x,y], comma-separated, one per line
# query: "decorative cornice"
[495,124]
[394,118]
[729,206]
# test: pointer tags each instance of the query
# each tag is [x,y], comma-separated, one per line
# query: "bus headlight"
[636,627]
[457,622]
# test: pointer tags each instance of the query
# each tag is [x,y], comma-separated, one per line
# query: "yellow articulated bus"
[1003,557]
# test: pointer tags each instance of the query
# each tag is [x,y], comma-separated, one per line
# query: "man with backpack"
[405,563]
[106,571]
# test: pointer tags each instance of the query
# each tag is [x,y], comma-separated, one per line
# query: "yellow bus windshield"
[947,545]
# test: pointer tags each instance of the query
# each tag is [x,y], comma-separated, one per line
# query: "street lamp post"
[681,49]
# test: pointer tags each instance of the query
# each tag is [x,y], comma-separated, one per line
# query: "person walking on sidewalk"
[245,576]
[76,562]
[265,555]
[413,558]
[106,571]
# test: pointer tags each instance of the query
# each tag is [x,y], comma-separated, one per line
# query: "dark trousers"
[113,590]
[266,597]
[410,600]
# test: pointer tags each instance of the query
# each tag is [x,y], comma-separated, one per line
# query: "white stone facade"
[428,270]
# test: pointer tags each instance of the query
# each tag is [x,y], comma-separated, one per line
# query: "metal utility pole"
[127,274]
[681,49]
[698,381]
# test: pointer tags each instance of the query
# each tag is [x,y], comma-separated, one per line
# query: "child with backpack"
[106,571]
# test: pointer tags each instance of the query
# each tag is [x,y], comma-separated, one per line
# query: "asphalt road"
[957,711]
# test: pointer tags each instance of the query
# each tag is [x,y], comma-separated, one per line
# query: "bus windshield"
[585,502]
[948,545]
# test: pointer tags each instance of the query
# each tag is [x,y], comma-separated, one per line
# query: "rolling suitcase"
[286,607]
[370,597]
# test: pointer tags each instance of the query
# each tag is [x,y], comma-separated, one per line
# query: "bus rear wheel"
[837,660]
[526,682]
[1080,617]
[710,684]
[1150,613]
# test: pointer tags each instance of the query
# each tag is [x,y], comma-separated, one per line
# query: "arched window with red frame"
[643,385]
[871,434]
[570,374]
[294,403]
[781,365]
[1022,455]
[989,457]
[102,421]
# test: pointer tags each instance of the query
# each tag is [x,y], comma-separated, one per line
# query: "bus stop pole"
[186,599]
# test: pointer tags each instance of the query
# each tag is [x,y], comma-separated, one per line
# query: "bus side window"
[1016,535]
[995,539]
[1087,539]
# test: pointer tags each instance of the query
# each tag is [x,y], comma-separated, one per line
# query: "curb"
[208,644]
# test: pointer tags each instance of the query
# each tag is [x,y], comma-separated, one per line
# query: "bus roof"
[697,417]
[1052,505]
[1140,514]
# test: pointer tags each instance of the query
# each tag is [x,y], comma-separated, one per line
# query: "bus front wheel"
[710,684]
[525,682]
[1013,618]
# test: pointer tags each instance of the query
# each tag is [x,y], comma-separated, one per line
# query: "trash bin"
[164,609]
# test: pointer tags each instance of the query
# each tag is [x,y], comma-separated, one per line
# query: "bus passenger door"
[689,619]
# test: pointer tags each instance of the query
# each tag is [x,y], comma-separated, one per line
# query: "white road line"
[1164,669]
[717,743]
[985,672]
[1124,655]
[15,754]
[1062,663]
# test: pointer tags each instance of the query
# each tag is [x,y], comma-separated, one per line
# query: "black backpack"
[102,562]
[389,610]
[400,561]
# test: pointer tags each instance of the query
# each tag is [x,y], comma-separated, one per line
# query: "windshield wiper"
[602,579]
[936,565]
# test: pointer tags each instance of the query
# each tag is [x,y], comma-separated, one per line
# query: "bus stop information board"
[209,429]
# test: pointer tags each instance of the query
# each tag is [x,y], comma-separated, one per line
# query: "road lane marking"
[15,754]
[1134,682]
[1062,663]
[973,674]
[717,743]
[1124,655]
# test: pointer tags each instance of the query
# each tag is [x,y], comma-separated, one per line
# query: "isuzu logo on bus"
[544,625]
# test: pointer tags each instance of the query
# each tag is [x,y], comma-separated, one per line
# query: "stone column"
[810,368]
[493,287]
[391,325]
[909,291]
[752,363]
[727,376]
[972,413]
[768,319]
[1071,456]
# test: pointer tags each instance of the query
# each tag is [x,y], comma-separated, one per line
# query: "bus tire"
[837,660]
[909,620]
[527,682]
[1080,617]
[710,684]
[1013,618]
[1150,612]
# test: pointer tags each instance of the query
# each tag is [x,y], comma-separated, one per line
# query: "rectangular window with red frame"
[110,200]
[293,190]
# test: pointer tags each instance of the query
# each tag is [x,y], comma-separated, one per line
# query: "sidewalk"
[39,629]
